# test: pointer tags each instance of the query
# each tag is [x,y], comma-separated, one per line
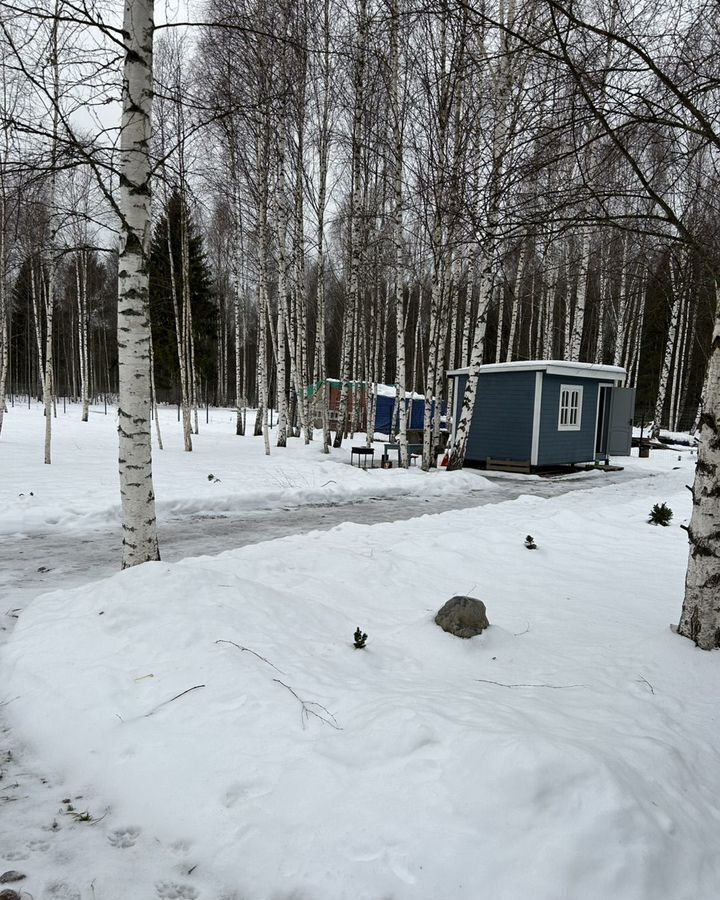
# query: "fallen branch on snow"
[554,687]
[248,650]
[176,697]
[307,709]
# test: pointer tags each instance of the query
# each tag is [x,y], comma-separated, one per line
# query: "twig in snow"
[645,681]
[554,687]
[518,633]
[248,650]
[327,483]
[307,709]
[176,697]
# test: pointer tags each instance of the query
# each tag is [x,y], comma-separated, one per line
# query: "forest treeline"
[370,191]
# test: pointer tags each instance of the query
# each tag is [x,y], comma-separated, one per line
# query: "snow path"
[37,830]
[73,558]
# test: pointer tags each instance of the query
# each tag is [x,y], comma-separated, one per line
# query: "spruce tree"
[202,304]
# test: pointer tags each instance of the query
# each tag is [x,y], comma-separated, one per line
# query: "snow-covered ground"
[80,489]
[227,741]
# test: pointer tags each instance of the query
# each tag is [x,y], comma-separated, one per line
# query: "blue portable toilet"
[546,413]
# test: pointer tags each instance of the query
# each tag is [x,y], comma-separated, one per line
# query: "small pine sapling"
[660,514]
[360,638]
[530,542]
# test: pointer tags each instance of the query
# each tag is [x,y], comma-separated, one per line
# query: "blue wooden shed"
[546,413]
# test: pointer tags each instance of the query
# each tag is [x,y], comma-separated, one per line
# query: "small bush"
[660,514]
[360,638]
[530,542]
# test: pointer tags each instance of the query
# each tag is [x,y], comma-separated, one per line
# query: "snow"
[570,751]
[80,489]
[590,370]
[682,438]
[389,390]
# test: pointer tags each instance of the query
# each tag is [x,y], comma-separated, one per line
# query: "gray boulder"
[463,616]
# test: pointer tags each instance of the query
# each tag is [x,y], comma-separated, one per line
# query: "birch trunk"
[621,315]
[578,319]
[676,290]
[298,296]
[456,455]
[433,351]
[500,303]
[323,147]
[700,618]
[153,397]
[397,225]
[681,352]
[81,275]
[516,294]
[263,201]
[238,308]
[282,290]
[4,337]
[351,301]
[52,240]
[181,344]
[38,326]
[135,453]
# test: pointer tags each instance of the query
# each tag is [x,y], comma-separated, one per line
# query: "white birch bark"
[676,290]
[502,138]
[622,305]
[323,152]
[351,300]
[4,333]
[683,353]
[700,618]
[153,397]
[4,232]
[180,342]
[578,319]
[635,348]
[282,292]
[238,294]
[299,372]
[135,454]
[516,294]
[81,284]
[500,303]
[456,455]
[263,250]
[52,260]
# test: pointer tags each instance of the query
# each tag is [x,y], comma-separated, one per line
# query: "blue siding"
[502,420]
[384,413]
[566,447]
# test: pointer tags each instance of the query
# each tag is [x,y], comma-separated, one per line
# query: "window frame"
[569,407]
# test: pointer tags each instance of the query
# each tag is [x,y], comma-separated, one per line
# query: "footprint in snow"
[171,890]
[60,890]
[15,854]
[38,846]
[123,837]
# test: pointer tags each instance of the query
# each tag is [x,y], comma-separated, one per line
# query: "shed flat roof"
[552,367]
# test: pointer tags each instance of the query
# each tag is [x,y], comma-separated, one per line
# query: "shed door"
[622,408]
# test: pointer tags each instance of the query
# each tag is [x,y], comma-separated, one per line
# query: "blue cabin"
[546,413]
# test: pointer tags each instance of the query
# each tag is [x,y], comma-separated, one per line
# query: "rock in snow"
[464,617]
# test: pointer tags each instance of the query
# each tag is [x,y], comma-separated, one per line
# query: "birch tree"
[140,543]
